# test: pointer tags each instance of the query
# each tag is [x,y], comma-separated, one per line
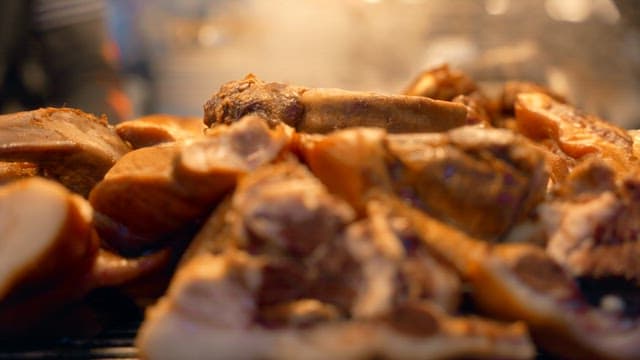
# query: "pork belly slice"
[564,129]
[159,128]
[512,89]
[283,271]
[436,172]
[68,145]
[153,193]
[592,223]
[50,255]
[316,110]
[522,282]
[210,306]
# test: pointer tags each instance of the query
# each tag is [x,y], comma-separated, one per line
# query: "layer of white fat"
[33,214]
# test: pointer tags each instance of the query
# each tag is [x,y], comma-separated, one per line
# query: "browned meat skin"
[325,110]
[154,192]
[283,291]
[442,83]
[68,145]
[159,128]
[477,109]
[577,135]
[520,281]
[511,90]
[47,266]
[435,171]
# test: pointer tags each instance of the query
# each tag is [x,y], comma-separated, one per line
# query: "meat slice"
[324,110]
[593,221]
[154,193]
[442,83]
[521,282]
[283,271]
[512,89]
[56,262]
[208,310]
[68,145]
[159,128]
[507,174]
[560,126]
[435,171]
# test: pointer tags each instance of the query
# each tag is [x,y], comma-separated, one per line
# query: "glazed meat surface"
[323,110]
[277,290]
[156,129]
[434,171]
[68,145]
[177,183]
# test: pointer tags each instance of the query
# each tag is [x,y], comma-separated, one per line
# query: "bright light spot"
[209,35]
[373,1]
[568,10]
[606,10]
[496,7]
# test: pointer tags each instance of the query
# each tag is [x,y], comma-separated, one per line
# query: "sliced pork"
[50,255]
[436,171]
[159,128]
[68,145]
[153,193]
[565,130]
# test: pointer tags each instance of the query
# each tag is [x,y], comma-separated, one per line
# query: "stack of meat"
[323,223]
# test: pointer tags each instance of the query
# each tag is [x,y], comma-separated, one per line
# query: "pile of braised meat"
[330,224]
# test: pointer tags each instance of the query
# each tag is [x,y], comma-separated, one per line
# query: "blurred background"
[172,55]
[175,54]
